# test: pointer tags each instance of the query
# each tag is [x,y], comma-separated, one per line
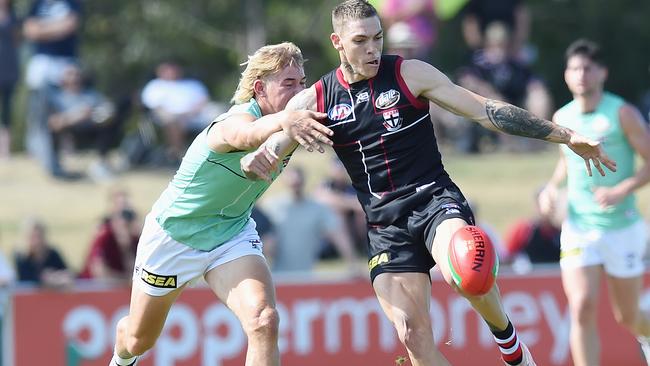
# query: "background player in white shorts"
[603,229]
[201,226]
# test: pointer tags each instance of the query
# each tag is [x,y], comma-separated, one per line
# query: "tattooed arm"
[425,81]
[260,163]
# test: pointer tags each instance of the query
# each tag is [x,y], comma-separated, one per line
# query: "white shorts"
[162,264]
[620,251]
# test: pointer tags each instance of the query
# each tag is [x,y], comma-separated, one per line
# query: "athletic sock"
[509,345]
[119,361]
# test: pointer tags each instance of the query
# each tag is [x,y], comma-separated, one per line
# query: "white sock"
[123,361]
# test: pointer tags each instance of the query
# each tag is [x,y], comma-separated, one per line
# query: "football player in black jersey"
[378,110]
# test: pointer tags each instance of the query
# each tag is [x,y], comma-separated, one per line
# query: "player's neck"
[265,107]
[349,74]
[589,102]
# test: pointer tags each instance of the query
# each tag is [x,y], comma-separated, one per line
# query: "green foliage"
[621,27]
[122,40]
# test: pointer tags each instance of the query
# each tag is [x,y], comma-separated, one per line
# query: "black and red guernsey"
[384,137]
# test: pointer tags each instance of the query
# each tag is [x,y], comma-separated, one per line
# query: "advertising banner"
[322,324]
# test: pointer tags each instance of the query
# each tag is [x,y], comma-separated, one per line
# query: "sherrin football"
[473,261]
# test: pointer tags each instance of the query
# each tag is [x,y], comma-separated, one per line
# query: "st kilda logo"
[392,120]
[387,99]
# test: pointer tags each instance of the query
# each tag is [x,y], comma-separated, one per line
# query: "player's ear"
[258,88]
[336,41]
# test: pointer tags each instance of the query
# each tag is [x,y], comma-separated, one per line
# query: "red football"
[472,260]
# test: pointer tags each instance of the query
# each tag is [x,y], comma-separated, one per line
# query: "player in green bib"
[603,231]
[201,226]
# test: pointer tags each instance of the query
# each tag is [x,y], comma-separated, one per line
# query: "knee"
[583,310]
[264,321]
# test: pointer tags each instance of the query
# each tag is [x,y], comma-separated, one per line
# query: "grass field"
[501,184]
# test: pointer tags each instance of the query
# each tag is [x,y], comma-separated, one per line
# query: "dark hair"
[351,9]
[586,48]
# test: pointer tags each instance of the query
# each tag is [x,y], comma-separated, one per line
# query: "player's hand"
[546,200]
[305,128]
[259,164]
[592,152]
[609,196]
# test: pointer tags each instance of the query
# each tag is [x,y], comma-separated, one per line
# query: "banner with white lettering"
[322,324]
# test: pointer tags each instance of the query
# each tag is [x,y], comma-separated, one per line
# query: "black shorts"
[405,246]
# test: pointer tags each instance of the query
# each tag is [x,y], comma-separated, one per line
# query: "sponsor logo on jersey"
[392,120]
[157,280]
[387,99]
[339,112]
[363,97]
[380,258]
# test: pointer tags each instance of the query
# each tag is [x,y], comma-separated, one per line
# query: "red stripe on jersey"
[417,103]
[341,78]
[390,177]
[320,96]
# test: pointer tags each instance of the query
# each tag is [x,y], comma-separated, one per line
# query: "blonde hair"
[265,62]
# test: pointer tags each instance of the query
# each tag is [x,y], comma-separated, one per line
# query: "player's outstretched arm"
[242,131]
[428,82]
[260,163]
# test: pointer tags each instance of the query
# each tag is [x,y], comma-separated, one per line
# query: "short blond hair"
[265,62]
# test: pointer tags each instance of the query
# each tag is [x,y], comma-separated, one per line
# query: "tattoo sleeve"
[517,121]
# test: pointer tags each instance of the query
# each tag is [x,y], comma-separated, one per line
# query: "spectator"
[81,116]
[266,231]
[40,262]
[112,253]
[53,28]
[534,240]
[337,193]
[8,72]
[494,73]
[478,14]
[180,105]
[413,17]
[301,225]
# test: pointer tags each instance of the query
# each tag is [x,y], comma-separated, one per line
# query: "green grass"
[502,185]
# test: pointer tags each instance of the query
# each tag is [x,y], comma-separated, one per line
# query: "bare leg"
[138,331]
[245,286]
[581,286]
[405,299]
[624,295]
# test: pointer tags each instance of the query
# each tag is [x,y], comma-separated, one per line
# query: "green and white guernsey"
[209,200]
[601,125]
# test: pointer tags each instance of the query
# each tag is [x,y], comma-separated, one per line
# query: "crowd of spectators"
[67,112]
